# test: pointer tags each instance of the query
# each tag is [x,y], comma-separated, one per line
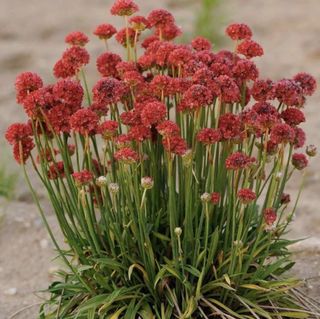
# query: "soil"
[31,37]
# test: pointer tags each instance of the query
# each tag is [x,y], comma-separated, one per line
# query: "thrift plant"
[168,178]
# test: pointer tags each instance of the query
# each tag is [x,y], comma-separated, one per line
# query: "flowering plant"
[168,182]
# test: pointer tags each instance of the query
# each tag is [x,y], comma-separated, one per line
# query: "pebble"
[11,291]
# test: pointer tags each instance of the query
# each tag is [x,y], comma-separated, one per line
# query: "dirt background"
[31,38]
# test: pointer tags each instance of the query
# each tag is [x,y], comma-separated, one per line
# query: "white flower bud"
[113,188]
[147,182]
[205,197]
[101,181]
[178,231]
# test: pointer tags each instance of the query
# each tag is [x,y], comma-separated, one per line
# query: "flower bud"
[178,231]
[278,176]
[147,182]
[113,188]
[205,197]
[187,158]
[101,181]
[311,150]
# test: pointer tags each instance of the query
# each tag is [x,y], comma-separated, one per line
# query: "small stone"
[44,243]
[11,291]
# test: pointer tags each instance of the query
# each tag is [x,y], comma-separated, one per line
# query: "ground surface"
[31,37]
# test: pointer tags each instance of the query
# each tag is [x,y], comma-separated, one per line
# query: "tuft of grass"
[8,181]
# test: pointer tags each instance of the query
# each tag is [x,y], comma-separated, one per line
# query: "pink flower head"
[299,161]
[126,155]
[70,93]
[77,38]
[133,78]
[289,92]
[82,178]
[84,122]
[73,59]
[108,129]
[105,31]
[162,85]
[245,70]
[239,160]
[270,216]
[230,92]
[153,113]
[282,133]
[250,49]
[300,137]
[121,36]
[175,144]
[195,97]
[209,136]
[139,23]
[201,43]
[26,83]
[108,90]
[18,132]
[238,31]
[246,195]
[168,128]
[307,82]
[285,199]
[59,119]
[99,108]
[160,17]
[122,140]
[179,57]
[215,198]
[22,150]
[107,62]
[57,170]
[168,32]
[293,116]
[124,8]
[148,40]
[230,126]
[262,90]
[139,133]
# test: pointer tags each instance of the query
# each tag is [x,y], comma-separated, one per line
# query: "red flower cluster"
[77,38]
[215,198]
[209,136]
[105,31]
[108,129]
[85,122]
[175,145]
[124,8]
[250,49]
[26,83]
[153,113]
[126,155]
[270,216]
[106,64]
[246,195]
[299,161]
[239,160]
[239,31]
[82,178]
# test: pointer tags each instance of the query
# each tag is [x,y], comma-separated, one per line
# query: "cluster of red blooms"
[188,77]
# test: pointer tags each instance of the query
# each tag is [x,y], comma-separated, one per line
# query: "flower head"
[201,43]
[282,133]
[246,195]
[293,116]
[215,198]
[239,31]
[124,8]
[168,128]
[262,90]
[126,155]
[299,161]
[270,216]
[250,49]
[77,38]
[307,82]
[209,136]
[107,62]
[84,121]
[105,31]
[22,150]
[147,182]
[83,177]
[108,129]
[153,113]
[160,17]
[175,144]
[239,160]
[18,132]
[139,23]
[26,83]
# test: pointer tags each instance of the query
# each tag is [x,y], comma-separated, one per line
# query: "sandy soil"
[31,37]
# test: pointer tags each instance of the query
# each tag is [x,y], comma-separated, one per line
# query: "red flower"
[22,150]
[122,140]
[70,93]
[99,108]
[250,49]
[239,31]
[160,17]
[175,144]
[108,129]
[162,85]
[245,70]
[108,90]
[59,119]
[139,133]
[195,97]
[26,83]
[246,195]
[230,126]
[106,64]
[272,148]
[126,155]
[300,137]
[82,178]
[84,121]
[77,38]
[18,132]
[168,32]
[105,31]
[299,161]
[139,23]
[179,57]
[133,78]
[282,133]
[262,90]
[209,136]
[73,59]
[215,198]
[307,82]
[229,89]
[270,216]
[268,114]
[121,36]
[201,43]
[56,170]
[285,199]
[125,66]
[289,92]
[124,8]
[239,160]
[168,128]
[161,52]
[149,40]
[293,116]
[131,118]
[153,113]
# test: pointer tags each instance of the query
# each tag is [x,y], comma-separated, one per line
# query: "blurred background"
[32,39]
